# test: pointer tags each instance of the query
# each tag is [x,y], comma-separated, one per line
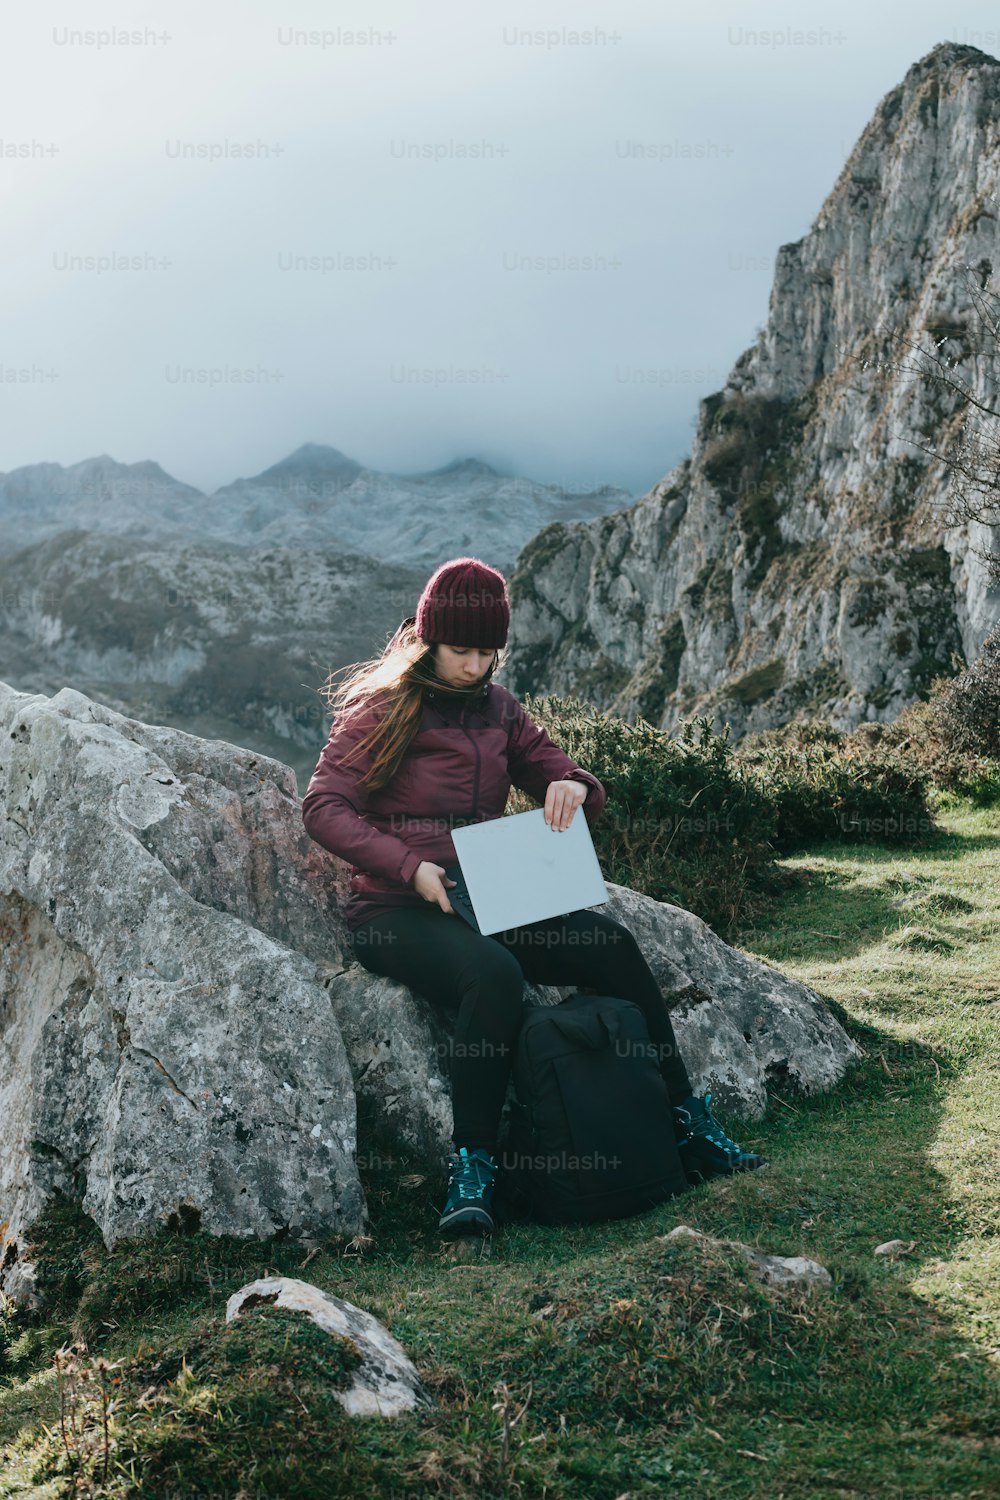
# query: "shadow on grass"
[869,1388]
[850,1387]
[865,1386]
[866,910]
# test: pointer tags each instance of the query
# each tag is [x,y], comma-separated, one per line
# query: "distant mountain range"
[226,643]
[314,499]
[222,614]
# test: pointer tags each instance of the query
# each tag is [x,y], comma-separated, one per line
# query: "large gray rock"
[799,562]
[740,1026]
[185,1031]
[168,1046]
[740,1023]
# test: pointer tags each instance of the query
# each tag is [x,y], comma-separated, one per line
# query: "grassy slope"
[647,1369]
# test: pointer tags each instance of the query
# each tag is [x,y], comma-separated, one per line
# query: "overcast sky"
[534,234]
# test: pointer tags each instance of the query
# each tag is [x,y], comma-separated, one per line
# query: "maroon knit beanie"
[465,603]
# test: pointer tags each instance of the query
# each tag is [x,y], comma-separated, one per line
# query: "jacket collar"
[479,697]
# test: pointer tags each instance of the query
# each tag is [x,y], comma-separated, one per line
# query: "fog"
[534,236]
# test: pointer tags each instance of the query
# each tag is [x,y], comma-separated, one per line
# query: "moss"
[925,565]
[817,687]
[61,1243]
[930,665]
[751,447]
[580,635]
[888,112]
[766,430]
[603,677]
[906,478]
[694,594]
[757,684]
[533,662]
[724,458]
[927,102]
[869,603]
[534,558]
[800,563]
[711,592]
[266,1340]
[925,574]
[657,677]
[757,519]
[860,192]
[946,328]
[737,430]
[543,547]
[719,594]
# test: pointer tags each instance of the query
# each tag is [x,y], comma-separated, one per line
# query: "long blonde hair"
[399,675]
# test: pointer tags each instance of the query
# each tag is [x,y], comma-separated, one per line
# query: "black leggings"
[437,954]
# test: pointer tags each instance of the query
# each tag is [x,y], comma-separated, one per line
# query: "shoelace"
[711,1128]
[467,1169]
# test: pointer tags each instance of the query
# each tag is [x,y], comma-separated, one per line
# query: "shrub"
[824,785]
[684,823]
[967,708]
[923,736]
[697,822]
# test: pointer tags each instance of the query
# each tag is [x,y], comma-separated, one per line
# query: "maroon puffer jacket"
[458,769]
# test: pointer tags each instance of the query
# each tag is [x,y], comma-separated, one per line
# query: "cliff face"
[798,561]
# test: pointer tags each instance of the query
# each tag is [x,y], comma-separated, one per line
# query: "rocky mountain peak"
[797,561]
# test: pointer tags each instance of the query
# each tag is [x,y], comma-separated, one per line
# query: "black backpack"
[591,1132]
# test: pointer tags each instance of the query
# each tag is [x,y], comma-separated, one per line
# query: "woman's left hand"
[561,801]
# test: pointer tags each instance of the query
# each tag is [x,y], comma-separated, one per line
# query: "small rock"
[386,1383]
[468,1247]
[541,1306]
[788,1270]
[895,1248]
[778,1271]
[539,1299]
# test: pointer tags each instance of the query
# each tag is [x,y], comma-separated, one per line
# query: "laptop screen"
[517,869]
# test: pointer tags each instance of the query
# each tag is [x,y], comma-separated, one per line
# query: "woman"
[426,741]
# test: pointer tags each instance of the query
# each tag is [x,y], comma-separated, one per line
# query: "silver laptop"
[517,869]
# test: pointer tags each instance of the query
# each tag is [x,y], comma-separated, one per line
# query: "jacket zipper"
[475,747]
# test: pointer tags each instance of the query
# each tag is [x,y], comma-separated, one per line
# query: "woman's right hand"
[430,881]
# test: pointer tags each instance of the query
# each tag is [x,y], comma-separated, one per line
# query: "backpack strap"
[592,1031]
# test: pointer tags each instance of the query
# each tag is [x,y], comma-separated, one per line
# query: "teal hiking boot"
[468,1209]
[705,1148]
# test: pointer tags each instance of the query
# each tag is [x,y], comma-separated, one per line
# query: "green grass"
[615,1363]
